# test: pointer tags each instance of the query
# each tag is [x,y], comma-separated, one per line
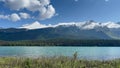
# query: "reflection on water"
[83,52]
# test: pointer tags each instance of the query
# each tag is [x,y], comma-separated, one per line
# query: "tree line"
[61,42]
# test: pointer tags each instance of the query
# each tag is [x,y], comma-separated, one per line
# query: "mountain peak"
[111,25]
[34,25]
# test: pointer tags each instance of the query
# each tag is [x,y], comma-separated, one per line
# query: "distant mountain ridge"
[81,31]
[83,25]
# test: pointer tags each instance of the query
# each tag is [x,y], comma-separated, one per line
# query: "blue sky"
[15,13]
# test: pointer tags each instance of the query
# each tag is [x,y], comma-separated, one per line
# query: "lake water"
[100,53]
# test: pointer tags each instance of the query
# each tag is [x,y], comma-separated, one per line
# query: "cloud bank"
[43,7]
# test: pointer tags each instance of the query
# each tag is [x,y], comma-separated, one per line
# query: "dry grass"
[56,62]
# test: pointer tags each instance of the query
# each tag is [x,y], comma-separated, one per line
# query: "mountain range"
[74,30]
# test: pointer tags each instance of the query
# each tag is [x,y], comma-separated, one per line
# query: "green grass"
[56,62]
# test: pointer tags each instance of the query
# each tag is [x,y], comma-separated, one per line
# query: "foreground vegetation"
[61,42]
[56,62]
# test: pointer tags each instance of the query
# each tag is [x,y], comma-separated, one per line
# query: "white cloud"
[16,4]
[4,16]
[45,9]
[14,17]
[45,2]
[24,15]
[49,12]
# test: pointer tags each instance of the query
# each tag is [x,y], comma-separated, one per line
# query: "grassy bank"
[56,62]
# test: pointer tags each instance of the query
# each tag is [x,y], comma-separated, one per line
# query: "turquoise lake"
[95,53]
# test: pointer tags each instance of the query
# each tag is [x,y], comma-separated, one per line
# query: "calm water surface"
[101,53]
